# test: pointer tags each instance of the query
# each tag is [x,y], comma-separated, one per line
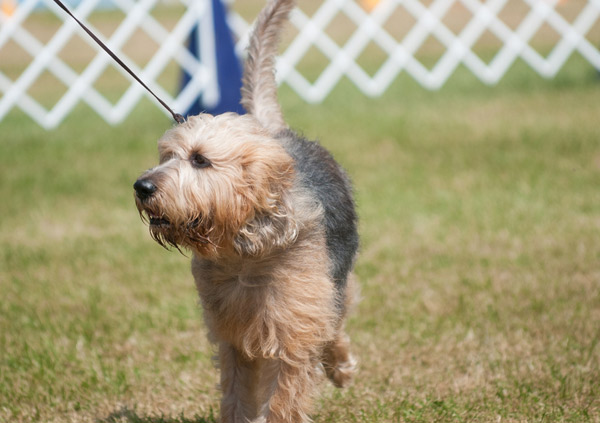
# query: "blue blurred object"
[228,68]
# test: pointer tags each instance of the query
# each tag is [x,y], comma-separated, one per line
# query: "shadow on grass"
[127,415]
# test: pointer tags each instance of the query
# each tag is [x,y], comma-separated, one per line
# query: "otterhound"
[270,220]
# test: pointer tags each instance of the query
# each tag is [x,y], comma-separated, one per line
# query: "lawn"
[479,263]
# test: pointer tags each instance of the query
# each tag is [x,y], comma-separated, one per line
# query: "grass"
[479,265]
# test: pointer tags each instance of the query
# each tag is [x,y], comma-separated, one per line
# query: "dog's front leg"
[291,385]
[238,377]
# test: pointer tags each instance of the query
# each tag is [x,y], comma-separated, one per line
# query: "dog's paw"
[342,374]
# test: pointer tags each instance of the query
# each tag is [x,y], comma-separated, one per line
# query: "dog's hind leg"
[337,360]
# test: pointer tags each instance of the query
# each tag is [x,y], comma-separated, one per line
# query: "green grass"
[479,265]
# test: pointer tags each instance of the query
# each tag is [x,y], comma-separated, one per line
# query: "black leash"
[178,118]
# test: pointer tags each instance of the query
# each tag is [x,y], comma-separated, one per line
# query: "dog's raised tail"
[259,90]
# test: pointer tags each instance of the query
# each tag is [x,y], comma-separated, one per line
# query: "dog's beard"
[193,232]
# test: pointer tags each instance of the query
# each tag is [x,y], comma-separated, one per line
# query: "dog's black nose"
[144,188]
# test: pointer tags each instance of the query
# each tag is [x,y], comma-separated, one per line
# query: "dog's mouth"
[154,220]
[168,233]
[158,221]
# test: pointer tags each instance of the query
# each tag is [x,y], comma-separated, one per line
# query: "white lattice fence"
[42,52]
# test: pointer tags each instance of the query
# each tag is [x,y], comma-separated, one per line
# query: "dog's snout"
[144,188]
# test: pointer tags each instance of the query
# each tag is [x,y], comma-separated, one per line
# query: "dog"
[270,221]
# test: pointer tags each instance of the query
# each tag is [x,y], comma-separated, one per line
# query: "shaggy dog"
[270,220]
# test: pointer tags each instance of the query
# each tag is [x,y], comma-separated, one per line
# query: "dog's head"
[219,189]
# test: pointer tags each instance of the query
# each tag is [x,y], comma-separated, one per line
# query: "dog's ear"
[267,231]
[269,221]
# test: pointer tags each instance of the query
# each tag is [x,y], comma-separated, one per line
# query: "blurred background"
[49,65]
[470,130]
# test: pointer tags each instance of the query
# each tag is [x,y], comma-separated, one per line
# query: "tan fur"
[249,174]
[337,360]
[277,314]
[259,91]
[261,263]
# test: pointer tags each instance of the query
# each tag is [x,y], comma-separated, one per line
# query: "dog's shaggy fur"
[270,220]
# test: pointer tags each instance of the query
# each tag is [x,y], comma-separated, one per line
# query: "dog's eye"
[199,161]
